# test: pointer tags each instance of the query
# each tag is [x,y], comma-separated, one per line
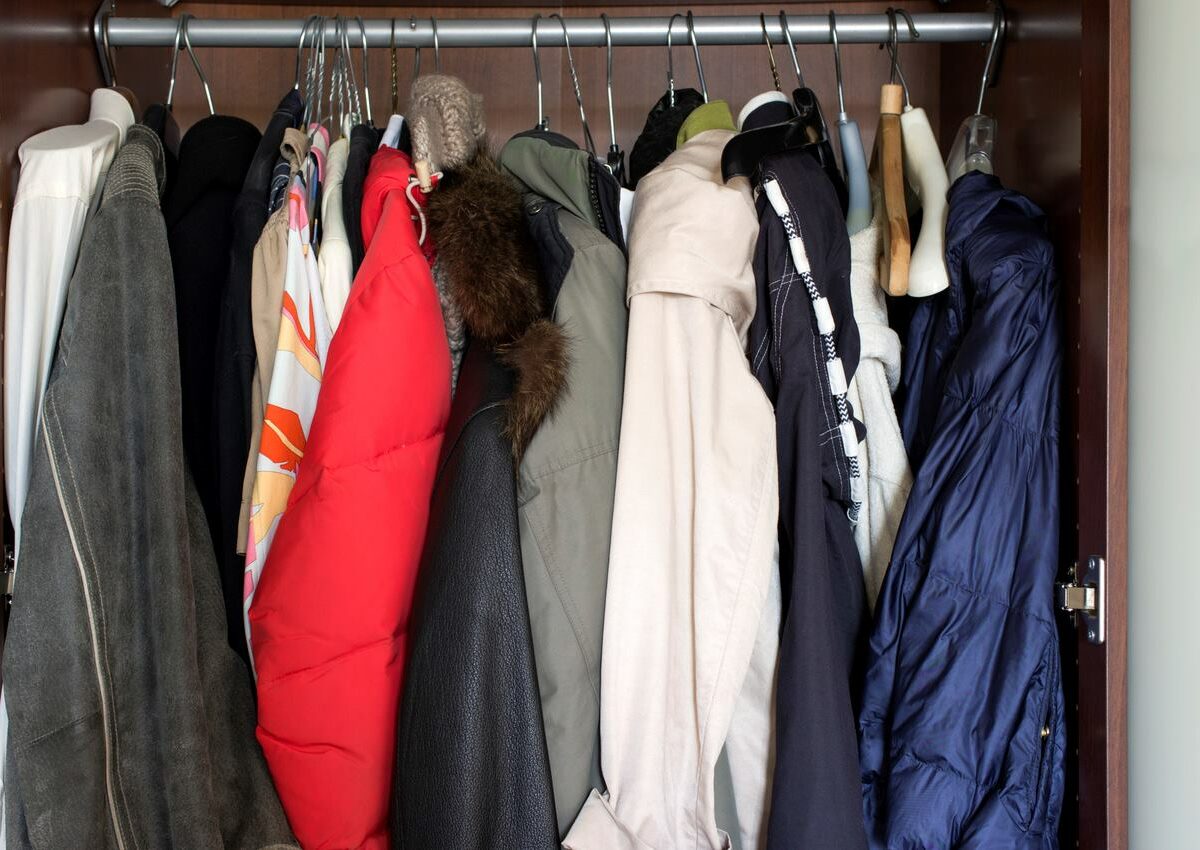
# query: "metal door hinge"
[1083,596]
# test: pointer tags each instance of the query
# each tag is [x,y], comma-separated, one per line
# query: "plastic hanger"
[974,145]
[806,131]
[888,163]
[925,174]
[809,108]
[854,157]
[615,159]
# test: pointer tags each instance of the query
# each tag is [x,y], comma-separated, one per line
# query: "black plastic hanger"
[807,131]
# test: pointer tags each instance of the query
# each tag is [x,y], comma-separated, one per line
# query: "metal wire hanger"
[615,161]
[587,133]
[762,20]
[182,31]
[543,120]
[691,25]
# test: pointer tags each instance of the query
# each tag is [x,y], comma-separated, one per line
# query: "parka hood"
[484,247]
[554,167]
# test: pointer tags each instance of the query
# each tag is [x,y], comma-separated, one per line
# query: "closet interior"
[1058,91]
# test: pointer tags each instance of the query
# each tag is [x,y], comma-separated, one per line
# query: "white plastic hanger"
[926,176]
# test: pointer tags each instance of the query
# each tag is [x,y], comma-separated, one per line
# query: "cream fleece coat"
[885,462]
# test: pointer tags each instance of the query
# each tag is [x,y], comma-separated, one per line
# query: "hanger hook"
[543,120]
[187,43]
[608,79]
[395,72]
[691,24]
[111,76]
[437,48]
[412,26]
[894,47]
[787,34]
[366,86]
[837,65]
[308,22]
[174,62]
[671,61]
[587,133]
[762,20]
[999,28]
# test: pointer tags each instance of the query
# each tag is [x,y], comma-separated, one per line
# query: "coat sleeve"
[961,731]
[330,617]
[693,535]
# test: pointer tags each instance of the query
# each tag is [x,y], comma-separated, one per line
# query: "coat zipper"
[594,196]
[105,719]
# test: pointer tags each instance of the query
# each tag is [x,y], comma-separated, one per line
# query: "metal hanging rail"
[517,32]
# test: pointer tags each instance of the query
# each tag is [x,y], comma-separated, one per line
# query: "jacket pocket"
[1030,755]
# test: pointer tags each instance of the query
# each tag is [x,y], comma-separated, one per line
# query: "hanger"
[925,174]
[437,48]
[806,131]
[762,20]
[691,26]
[587,133]
[182,30]
[395,73]
[889,168]
[392,131]
[412,27]
[543,121]
[615,160]
[671,61]
[808,108]
[975,143]
[110,68]
[366,70]
[854,158]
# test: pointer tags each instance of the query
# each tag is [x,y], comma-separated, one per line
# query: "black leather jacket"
[471,763]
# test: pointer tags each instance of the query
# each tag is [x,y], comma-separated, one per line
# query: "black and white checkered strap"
[826,326]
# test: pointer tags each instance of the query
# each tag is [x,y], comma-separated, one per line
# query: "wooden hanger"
[889,166]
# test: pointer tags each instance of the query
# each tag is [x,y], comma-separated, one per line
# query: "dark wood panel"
[248,83]
[476,4]
[1103,424]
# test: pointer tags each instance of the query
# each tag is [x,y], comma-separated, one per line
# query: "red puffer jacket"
[330,617]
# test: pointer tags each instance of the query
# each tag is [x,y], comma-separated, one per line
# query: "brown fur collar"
[491,264]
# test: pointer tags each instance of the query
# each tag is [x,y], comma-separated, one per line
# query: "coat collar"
[477,221]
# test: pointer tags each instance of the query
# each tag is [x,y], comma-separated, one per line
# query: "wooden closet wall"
[1062,105]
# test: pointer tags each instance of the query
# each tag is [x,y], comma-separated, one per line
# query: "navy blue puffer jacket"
[961,730]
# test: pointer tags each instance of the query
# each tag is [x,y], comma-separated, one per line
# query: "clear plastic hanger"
[975,143]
